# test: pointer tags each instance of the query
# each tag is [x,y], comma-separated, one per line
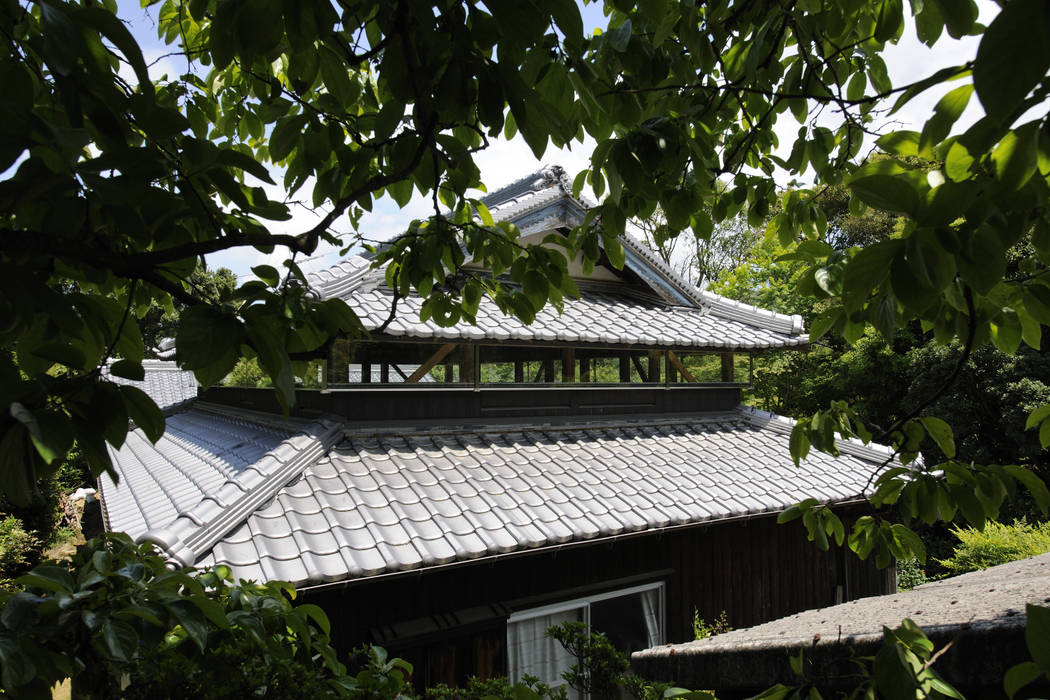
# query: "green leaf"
[900,143]
[285,136]
[1019,676]
[192,619]
[959,16]
[48,577]
[1015,157]
[273,357]
[121,639]
[208,341]
[909,542]
[941,433]
[268,274]
[1031,481]
[1013,57]
[945,113]
[145,413]
[236,159]
[1037,416]
[49,431]
[937,78]
[1037,635]
[128,370]
[798,443]
[886,192]
[865,270]
[619,38]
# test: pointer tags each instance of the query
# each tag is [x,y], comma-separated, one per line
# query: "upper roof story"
[646,304]
[359,483]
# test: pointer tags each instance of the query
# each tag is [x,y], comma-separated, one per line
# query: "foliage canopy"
[116,185]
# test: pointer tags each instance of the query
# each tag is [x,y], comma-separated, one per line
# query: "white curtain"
[530,651]
[651,614]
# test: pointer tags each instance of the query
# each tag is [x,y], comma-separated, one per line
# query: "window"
[631,618]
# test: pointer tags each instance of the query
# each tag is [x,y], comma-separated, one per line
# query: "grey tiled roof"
[210,470]
[394,499]
[168,386]
[543,201]
[596,317]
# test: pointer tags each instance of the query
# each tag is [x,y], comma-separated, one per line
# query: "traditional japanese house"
[451,492]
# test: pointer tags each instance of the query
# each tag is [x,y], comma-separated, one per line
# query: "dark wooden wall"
[394,402]
[450,622]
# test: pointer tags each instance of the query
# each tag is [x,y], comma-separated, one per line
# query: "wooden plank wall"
[754,570]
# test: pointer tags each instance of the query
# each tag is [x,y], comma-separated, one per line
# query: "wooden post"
[568,365]
[466,364]
[625,368]
[449,373]
[366,372]
[654,366]
[339,362]
[728,367]
[585,369]
[548,371]
[519,372]
[384,372]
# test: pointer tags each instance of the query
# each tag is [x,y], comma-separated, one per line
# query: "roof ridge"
[871,452]
[547,175]
[554,423]
[791,324]
[184,543]
[682,285]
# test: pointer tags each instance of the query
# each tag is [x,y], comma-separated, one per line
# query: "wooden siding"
[450,622]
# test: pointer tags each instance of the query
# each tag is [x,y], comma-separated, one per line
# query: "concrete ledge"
[982,614]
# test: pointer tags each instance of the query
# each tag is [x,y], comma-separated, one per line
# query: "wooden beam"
[677,364]
[728,367]
[585,369]
[519,372]
[625,368]
[568,365]
[366,372]
[638,366]
[434,359]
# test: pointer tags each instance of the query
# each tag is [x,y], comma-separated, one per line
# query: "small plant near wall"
[910,574]
[703,629]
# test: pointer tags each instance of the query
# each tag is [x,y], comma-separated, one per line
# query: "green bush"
[18,548]
[910,574]
[998,543]
[118,623]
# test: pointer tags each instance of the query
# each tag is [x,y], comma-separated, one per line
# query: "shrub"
[118,623]
[910,574]
[998,543]
[18,548]
[703,629]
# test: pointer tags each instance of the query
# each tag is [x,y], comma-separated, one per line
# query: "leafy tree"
[118,185]
[159,323]
[695,259]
